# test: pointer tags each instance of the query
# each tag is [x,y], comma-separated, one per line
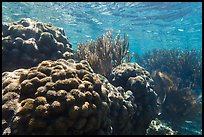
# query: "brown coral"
[26,43]
[135,81]
[178,104]
[43,96]
[104,53]
[184,64]
[64,97]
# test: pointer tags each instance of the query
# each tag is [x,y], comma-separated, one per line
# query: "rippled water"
[148,24]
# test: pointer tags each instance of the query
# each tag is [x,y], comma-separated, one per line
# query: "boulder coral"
[136,80]
[49,100]
[65,97]
[57,97]
[26,43]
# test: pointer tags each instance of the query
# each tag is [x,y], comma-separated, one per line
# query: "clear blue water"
[149,25]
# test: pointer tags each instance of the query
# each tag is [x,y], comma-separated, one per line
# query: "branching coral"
[179,104]
[177,76]
[105,53]
[186,65]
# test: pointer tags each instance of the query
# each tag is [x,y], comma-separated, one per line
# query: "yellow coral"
[70,99]
[88,95]
[40,100]
[26,106]
[41,111]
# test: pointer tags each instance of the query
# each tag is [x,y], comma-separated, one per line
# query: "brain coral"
[136,79]
[63,97]
[26,43]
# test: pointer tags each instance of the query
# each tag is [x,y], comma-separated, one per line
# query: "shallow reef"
[134,78]
[105,53]
[177,76]
[186,65]
[50,89]
[65,97]
[26,43]
[178,104]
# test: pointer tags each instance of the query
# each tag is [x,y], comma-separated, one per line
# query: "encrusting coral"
[104,54]
[26,43]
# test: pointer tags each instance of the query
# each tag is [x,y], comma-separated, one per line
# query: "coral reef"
[186,65]
[102,94]
[135,79]
[178,82]
[26,43]
[178,104]
[157,127]
[104,54]
[56,97]
[65,97]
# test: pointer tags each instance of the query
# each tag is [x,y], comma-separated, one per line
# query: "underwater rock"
[136,82]
[26,43]
[10,97]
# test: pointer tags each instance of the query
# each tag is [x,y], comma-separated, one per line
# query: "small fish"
[159,113]
[165,83]
[199,98]
[189,122]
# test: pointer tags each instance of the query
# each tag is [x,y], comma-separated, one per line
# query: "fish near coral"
[163,85]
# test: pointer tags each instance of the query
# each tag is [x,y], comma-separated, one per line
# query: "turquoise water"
[149,25]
